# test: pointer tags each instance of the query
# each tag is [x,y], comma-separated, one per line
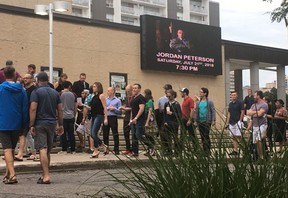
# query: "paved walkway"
[79,161]
[76,161]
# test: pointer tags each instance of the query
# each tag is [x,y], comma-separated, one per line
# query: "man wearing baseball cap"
[187,115]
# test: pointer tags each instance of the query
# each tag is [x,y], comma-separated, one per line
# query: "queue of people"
[43,110]
[264,119]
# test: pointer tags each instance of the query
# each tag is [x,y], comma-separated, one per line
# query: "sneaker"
[27,155]
[73,152]
[89,151]
[126,152]
[279,151]
[62,152]
[79,150]
[152,152]
[132,155]
[147,153]
[233,153]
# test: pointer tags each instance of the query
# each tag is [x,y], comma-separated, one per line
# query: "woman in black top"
[172,117]
[280,124]
[58,86]
[99,115]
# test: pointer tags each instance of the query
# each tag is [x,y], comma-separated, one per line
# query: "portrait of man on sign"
[180,44]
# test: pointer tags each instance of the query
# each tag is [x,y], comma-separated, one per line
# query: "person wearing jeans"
[126,123]
[99,115]
[205,116]
[68,138]
[69,101]
[113,105]
[137,120]
[96,123]
[172,117]
[138,134]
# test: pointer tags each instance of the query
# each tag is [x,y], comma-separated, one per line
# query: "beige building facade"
[97,49]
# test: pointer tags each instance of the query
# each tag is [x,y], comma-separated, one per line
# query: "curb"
[84,165]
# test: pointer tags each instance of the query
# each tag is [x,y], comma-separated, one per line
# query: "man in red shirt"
[2,76]
[187,115]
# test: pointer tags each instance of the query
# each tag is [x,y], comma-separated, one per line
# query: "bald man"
[126,124]
[113,105]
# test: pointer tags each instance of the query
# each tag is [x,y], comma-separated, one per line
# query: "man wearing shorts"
[234,121]
[13,119]
[44,103]
[258,113]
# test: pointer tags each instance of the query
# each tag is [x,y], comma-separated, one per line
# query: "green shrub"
[194,173]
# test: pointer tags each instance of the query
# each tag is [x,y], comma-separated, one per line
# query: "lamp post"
[56,6]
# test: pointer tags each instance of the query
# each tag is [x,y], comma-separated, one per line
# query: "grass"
[196,174]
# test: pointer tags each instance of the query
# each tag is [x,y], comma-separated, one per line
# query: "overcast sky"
[247,21]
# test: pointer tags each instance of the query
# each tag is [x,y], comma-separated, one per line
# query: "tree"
[272,94]
[280,13]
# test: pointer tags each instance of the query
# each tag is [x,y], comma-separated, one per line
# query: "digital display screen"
[178,46]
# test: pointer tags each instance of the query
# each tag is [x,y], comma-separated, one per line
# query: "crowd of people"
[34,110]
[264,118]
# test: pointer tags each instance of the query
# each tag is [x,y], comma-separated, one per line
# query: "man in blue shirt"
[159,112]
[234,121]
[248,100]
[113,105]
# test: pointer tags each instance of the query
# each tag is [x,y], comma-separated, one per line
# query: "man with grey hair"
[45,101]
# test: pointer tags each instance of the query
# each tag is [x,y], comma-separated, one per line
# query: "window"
[119,82]
[109,3]
[56,72]
[151,10]
[179,16]
[77,12]
[126,4]
[109,17]
[198,19]
[127,20]
[179,3]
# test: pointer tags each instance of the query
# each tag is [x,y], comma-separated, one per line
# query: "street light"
[56,6]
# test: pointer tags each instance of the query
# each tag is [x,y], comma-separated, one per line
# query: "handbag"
[152,129]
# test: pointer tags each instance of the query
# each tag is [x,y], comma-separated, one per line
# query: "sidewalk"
[82,161]
[78,161]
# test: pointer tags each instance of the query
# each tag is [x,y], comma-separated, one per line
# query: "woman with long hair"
[150,121]
[99,115]
[280,124]
[58,86]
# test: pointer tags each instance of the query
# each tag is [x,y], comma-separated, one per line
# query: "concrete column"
[281,94]
[186,10]
[254,76]
[238,83]
[227,81]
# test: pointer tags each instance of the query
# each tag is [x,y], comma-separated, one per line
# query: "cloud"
[247,21]
[251,24]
